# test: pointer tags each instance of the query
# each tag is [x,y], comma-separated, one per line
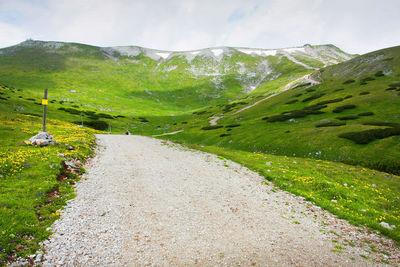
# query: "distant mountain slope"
[352,116]
[136,80]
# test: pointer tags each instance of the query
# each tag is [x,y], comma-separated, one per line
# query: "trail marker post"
[44,103]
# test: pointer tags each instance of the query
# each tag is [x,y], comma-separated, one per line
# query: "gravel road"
[145,201]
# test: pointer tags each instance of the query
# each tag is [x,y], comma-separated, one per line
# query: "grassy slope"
[300,137]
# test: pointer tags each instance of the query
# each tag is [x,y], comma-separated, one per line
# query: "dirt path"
[147,202]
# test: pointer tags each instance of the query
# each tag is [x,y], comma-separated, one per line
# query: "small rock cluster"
[41,139]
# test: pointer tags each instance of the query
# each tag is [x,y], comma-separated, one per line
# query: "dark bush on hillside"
[364,93]
[225,134]
[330,101]
[379,74]
[315,107]
[395,84]
[229,107]
[232,125]
[106,116]
[71,110]
[313,97]
[97,125]
[211,127]
[3,98]
[309,110]
[347,118]
[330,124]
[363,83]
[339,89]
[89,113]
[349,81]
[369,113]
[265,118]
[53,101]
[310,90]
[120,116]
[30,99]
[292,101]
[200,112]
[143,119]
[367,79]
[75,106]
[229,129]
[347,97]
[298,95]
[342,108]
[184,122]
[367,136]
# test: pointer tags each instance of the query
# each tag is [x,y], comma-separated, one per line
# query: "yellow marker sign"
[45,101]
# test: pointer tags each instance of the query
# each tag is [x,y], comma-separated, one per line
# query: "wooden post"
[44,103]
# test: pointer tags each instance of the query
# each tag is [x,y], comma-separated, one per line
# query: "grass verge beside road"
[31,189]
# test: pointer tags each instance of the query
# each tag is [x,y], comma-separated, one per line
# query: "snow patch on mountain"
[164,55]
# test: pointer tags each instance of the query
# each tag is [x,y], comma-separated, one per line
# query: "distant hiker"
[127,133]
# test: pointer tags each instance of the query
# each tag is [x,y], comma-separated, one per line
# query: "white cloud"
[10,34]
[356,26]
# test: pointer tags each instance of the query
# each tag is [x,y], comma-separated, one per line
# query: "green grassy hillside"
[352,116]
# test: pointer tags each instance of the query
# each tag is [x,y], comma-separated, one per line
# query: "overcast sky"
[356,26]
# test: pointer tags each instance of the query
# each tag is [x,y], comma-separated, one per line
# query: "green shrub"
[211,127]
[342,108]
[347,97]
[71,110]
[310,110]
[310,89]
[346,118]
[229,107]
[364,93]
[367,136]
[298,95]
[106,116]
[339,89]
[369,113]
[98,125]
[224,134]
[330,124]
[330,101]
[232,125]
[349,81]
[367,79]
[379,74]
[200,112]
[313,97]
[143,119]
[292,101]
[395,84]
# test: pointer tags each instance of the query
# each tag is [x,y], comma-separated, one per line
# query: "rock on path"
[148,202]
